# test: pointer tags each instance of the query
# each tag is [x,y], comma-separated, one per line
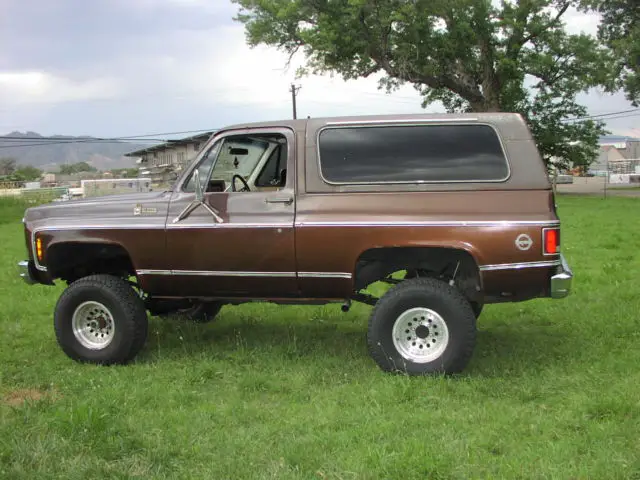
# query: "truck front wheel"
[422,326]
[100,319]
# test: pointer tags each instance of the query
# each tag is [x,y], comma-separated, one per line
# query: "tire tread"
[128,300]
[440,288]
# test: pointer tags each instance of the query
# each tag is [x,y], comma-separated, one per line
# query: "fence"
[35,195]
[98,188]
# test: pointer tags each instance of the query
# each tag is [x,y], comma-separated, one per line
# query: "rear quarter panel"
[335,224]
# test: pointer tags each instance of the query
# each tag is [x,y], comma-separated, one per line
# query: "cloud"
[18,88]
[139,66]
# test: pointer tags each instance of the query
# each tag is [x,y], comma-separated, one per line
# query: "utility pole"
[294,91]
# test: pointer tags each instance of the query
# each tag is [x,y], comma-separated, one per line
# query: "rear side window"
[423,153]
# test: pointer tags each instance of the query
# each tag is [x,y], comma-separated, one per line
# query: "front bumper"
[561,280]
[27,273]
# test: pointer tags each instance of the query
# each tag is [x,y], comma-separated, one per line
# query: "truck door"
[239,241]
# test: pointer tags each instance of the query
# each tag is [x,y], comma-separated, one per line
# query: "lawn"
[552,391]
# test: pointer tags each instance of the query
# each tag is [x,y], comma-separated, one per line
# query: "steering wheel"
[233,184]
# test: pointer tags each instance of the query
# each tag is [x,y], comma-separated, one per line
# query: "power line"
[42,141]
[62,141]
[589,117]
[71,142]
[129,137]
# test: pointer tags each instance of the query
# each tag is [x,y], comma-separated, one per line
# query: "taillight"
[551,241]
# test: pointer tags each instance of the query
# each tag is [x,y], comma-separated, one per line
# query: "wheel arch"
[73,259]
[457,261]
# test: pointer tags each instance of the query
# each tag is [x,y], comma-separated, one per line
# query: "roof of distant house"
[201,137]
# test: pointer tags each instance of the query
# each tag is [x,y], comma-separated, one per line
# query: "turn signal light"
[39,249]
[551,241]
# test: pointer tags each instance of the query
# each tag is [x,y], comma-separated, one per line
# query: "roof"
[201,137]
[300,124]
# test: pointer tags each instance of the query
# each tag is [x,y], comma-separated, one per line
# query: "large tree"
[471,55]
[620,30]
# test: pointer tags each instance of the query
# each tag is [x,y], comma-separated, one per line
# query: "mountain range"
[48,153]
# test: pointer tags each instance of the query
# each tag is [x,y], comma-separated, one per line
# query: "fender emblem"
[524,242]
[139,210]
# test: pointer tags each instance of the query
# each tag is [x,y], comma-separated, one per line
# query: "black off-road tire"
[426,293]
[128,314]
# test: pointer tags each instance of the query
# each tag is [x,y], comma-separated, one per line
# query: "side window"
[412,154]
[236,162]
[270,175]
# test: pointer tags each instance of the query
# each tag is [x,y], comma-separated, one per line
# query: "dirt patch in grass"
[15,398]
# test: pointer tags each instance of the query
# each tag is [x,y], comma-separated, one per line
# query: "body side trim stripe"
[213,273]
[343,275]
[229,225]
[518,266]
[458,223]
[325,275]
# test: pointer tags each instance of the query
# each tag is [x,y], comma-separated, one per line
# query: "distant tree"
[131,172]
[7,166]
[125,172]
[470,55]
[68,169]
[26,174]
[620,30]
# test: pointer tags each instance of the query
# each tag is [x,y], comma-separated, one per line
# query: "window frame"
[286,131]
[409,124]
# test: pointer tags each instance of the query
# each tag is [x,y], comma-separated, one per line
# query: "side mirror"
[198,186]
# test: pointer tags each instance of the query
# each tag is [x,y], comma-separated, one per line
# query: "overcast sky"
[129,67]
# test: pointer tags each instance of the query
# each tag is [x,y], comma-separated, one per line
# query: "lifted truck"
[456,211]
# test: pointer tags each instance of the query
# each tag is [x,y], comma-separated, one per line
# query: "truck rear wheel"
[100,319]
[422,326]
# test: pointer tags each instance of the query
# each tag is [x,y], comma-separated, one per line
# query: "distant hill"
[616,138]
[49,155]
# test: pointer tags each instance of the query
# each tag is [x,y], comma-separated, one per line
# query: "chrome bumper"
[26,272]
[561,281]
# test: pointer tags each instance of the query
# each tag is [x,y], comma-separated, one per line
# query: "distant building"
[162,163]
[618,155]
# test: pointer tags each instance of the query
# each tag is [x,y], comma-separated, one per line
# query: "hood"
[108,206]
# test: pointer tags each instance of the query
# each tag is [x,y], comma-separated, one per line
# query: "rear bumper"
[561,280]
[26,272]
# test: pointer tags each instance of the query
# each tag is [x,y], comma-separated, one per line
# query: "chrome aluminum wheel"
[93,325]
[420,335]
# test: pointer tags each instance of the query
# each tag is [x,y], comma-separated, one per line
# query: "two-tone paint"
[303,241]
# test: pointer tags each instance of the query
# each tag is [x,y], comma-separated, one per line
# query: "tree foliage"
[125,172]
[470,55]
[7,166]
[27,173]
[72,168]
[620,30]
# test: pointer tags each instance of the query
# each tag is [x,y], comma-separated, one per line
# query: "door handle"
[285,200]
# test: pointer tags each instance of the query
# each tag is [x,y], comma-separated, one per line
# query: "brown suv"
[455,211]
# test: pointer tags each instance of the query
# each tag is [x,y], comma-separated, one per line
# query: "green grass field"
[552,391]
